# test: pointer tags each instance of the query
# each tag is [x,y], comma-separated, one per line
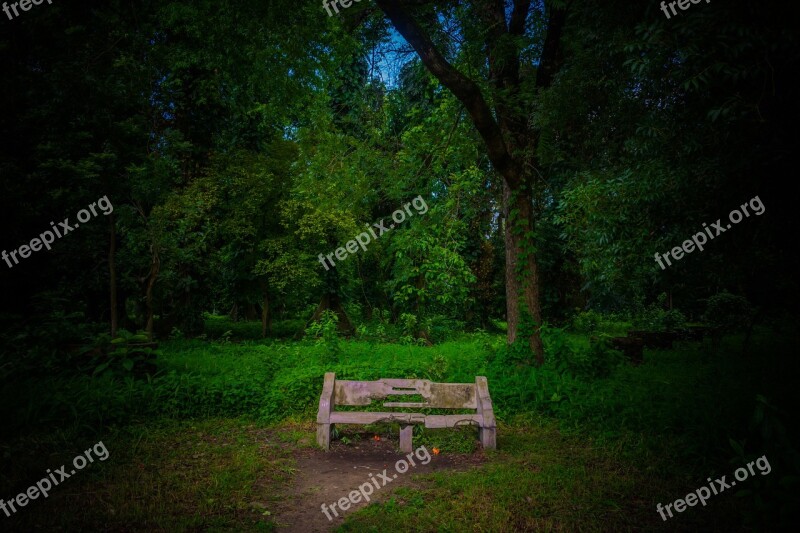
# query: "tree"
[504,126]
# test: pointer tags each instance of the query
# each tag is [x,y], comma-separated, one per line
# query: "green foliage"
[225,338]
[728,312]
[373,332]
[409,324]
[656,318]
[772,498]
[441,328]
[218,326]
[450,440]
[410,329]
[438,370]
[597,360]
[591,322]
[325,331]
[43,347]
[122,357]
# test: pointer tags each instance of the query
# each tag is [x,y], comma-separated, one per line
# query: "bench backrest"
[435,395]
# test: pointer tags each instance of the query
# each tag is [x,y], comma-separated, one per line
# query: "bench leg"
[488,438]
[324,436]
[405,438]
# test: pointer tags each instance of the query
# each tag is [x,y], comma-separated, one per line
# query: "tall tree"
[504,125]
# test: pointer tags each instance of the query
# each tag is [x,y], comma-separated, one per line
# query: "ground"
[324,477]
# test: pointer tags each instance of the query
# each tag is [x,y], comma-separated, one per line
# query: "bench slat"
[430,421]
[347,417]
[451,421]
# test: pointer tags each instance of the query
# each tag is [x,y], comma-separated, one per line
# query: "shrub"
[122,356]
[728,312]
[591,322]
[656,318]
[597,360]
[326,333]
[586,322]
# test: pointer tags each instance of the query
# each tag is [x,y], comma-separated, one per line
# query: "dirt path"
[325,477]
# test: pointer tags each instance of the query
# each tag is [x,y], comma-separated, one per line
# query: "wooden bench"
[436,395]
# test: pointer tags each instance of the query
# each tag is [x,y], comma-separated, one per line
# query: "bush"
[597,360]
[587,321]
[656,318]
[45,346]
[440,328]
[728,312]
[591,322]
[122,356]
[326,333]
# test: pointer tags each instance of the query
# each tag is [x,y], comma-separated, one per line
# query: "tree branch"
[550,61]
[518,17]
[503,54]
[467,92]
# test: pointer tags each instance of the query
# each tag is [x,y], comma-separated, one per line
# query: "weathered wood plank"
[451,421]
[406,434]
[324,412]
[325,405]
[430,421]
[346,417]
[438,395]
[487,431]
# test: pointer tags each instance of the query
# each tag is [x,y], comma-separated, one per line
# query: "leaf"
[737,447]
[100,368]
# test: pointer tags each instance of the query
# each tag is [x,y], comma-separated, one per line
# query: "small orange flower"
[436,451]
[376,438]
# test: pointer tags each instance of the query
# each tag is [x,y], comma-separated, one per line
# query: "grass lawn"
[222,439]
[232,474]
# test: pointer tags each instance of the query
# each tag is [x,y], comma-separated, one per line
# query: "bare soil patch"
[325,477]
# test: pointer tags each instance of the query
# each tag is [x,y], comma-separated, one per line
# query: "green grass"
[539,480]
[218,325]
[575,451]
[167,476]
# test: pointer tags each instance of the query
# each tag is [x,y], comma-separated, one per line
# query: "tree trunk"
[112,275]
[250,311]
[522,277]
[266,317]
[331,301]
[154,268]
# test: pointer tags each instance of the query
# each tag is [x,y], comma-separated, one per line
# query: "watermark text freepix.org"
[683,4]
[328,4]
[48,237]
[717,486]
[699,238]
[365,489]
[24,5]
[44,485]
[363,239]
